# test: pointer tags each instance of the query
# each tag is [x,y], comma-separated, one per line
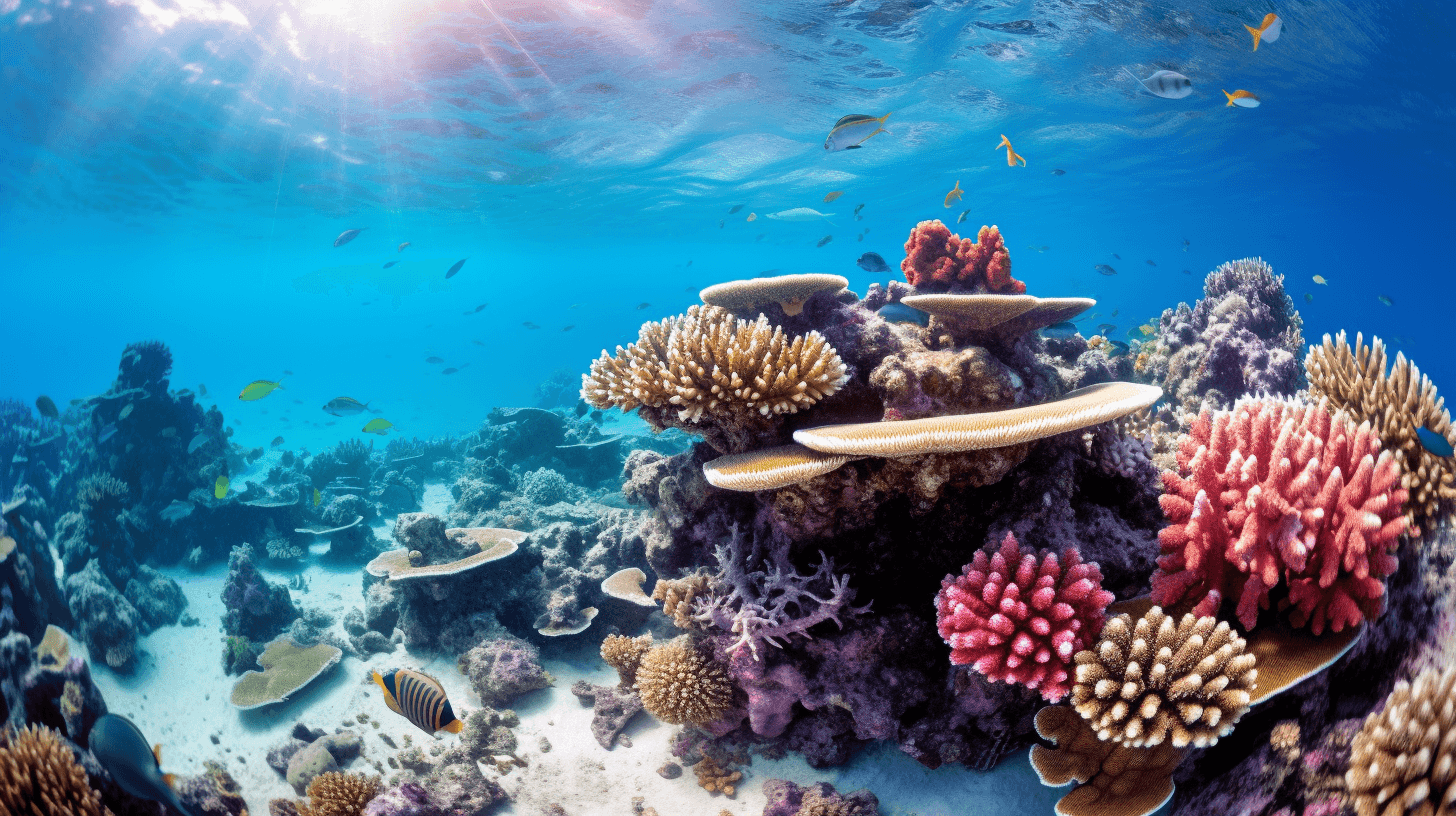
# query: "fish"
[433,360]
[900,313]
[220,487]
[47,407]
[121,749]
[202,389]
[481,308]
[1012,157]
[419,698]
[1066,328]
[378,425]
[1059,171]
[721,222]
[826,239]
[1150,263]
[857,208]
[1188,271]
[643,305]
[1147,330]
[1242,99]
[1268,30]
[859,238]
[176,511]
[1434,442]
[799,214]
[388,264]
[477,342]
[1320,279]
[402,247]
[752,217]
[568,327]
[450,370]
[1119,348]
[169,432]
[1185,244]
[852,131]
[277,440]
[831,196]
[197,442]
[529,325]
[732,210]
[1385,299]
[1105,328]
[450,273]
[1308,298]
[345,406]
[1104,269]
[317,497]
[1116,257]
[689,263]
[1165,84]
[872,262]
[961,219]
[258,389]
[955,194]
[348,235]
[125,412]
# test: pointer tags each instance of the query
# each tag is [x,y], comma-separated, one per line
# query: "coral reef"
[1404,758]
[106,621]
[39,776]
[612,709]
[1020,617]
[1244,521]
[256,608]
[936,260]
[213,792]
[680,683]
[784,798]
[502,669]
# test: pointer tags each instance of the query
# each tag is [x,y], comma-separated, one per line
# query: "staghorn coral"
[1152,680]
[625,654]
[1403,761]
[681,683]
[708,372]
[1396,403]
[1020,617]
[339,794]
[937,260]
[1280,491]
[1117,780]
[39,776]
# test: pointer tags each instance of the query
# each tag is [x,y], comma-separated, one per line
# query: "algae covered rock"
[502,669]
[105,620]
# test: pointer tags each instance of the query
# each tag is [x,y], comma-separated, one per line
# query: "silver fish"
[851,131]
[800,214]
[345,406]
[348,235]
[106,433]
[1166,84]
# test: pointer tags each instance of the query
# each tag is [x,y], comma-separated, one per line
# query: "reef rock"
[106,621]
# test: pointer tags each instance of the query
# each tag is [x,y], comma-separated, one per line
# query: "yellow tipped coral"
[1403,761]
[39,776]
[625,654]
[679,683]
[339,794]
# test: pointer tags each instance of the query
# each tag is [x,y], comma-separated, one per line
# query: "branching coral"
[937,260]
[707,367]
[1019,617]
[678,596]
[625,654]
[144,364]
[1403,761]
[339,794]
[682,683]
[1397,403]
[1187,682]
[39,776]
[1280,491]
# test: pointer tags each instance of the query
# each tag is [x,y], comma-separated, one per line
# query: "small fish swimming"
[434,360]
[1118,349]
[568,327]
[176,511]
[1308,298]
[1185,244]
[852,131]
[388,264]
[277,440]
[826,239]
[955,194]
[348,235]
[419,698]
[220,487]
[857,208]
[1012,157]
[1434,442]
[1104,269]
[202,389]
[1166,84]
[1105,328]
[1188,271]
[872,262]
[1150,263]
[752,217]
[47,407]
[1147,330]
[643,305]
[317,497]
[456,268]
[1066,328]
[125,412]
[258,389]
[1059,172]
[197,442]
[345,406]
[450,370]
[1385,299]
[1116,257]
[402,247]
[1320,279]
[378,425]
[831,196]
[900,313]
[1242,99]
[961,219]
[731,211]
[121,749]
[800,214]
[721,222]
[529,325]
[1268,30]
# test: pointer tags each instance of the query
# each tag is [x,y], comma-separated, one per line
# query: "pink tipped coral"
[1281,490]
[1020,617]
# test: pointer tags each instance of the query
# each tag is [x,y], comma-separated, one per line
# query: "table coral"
[938,260]
[1019,617]
[1403,761]
[1281,491]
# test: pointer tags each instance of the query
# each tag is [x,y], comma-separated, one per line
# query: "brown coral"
[677,596]
[1403,761]
[624,654]
[1284,738]
[1397,403]
[708,372]
[39,776]
[1117,780]
[339,794]
[1187,682]
[715,778]
[681,683]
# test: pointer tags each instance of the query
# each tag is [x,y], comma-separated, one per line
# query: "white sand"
[178,696]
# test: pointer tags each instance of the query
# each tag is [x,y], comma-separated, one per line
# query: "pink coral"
[1020,617]
[937,259]
[1281,490]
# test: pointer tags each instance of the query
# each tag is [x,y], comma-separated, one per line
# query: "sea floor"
[178,695]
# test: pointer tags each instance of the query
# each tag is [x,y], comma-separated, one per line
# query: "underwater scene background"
[1011,460]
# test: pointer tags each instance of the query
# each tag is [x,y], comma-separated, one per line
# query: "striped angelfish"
[419,698]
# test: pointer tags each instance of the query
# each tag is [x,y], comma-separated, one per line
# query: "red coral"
[1281,490]
[937,259]
[1022,626]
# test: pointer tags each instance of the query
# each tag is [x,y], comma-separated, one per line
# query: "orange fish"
[1268,31]
[833,195]
[954,194]
[1243,99]
[1011,155]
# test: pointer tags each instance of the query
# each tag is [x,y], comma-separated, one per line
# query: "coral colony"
[1188,568]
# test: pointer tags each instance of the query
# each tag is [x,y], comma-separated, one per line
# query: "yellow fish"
[258,389]
[1147,330]
[1243,99]
[317,497]
[419,698]
[378,425]
[1268,31]
[833,195]
[1012,157]
[220,487]
[1320,279]
[955,194]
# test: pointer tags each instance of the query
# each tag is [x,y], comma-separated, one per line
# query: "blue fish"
[122,750]
[1104,269]
[107,432]
[1119,348]
[872,262]
[1063,329]
[388,264]
[455,268]
[1434,442]
[900,313]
